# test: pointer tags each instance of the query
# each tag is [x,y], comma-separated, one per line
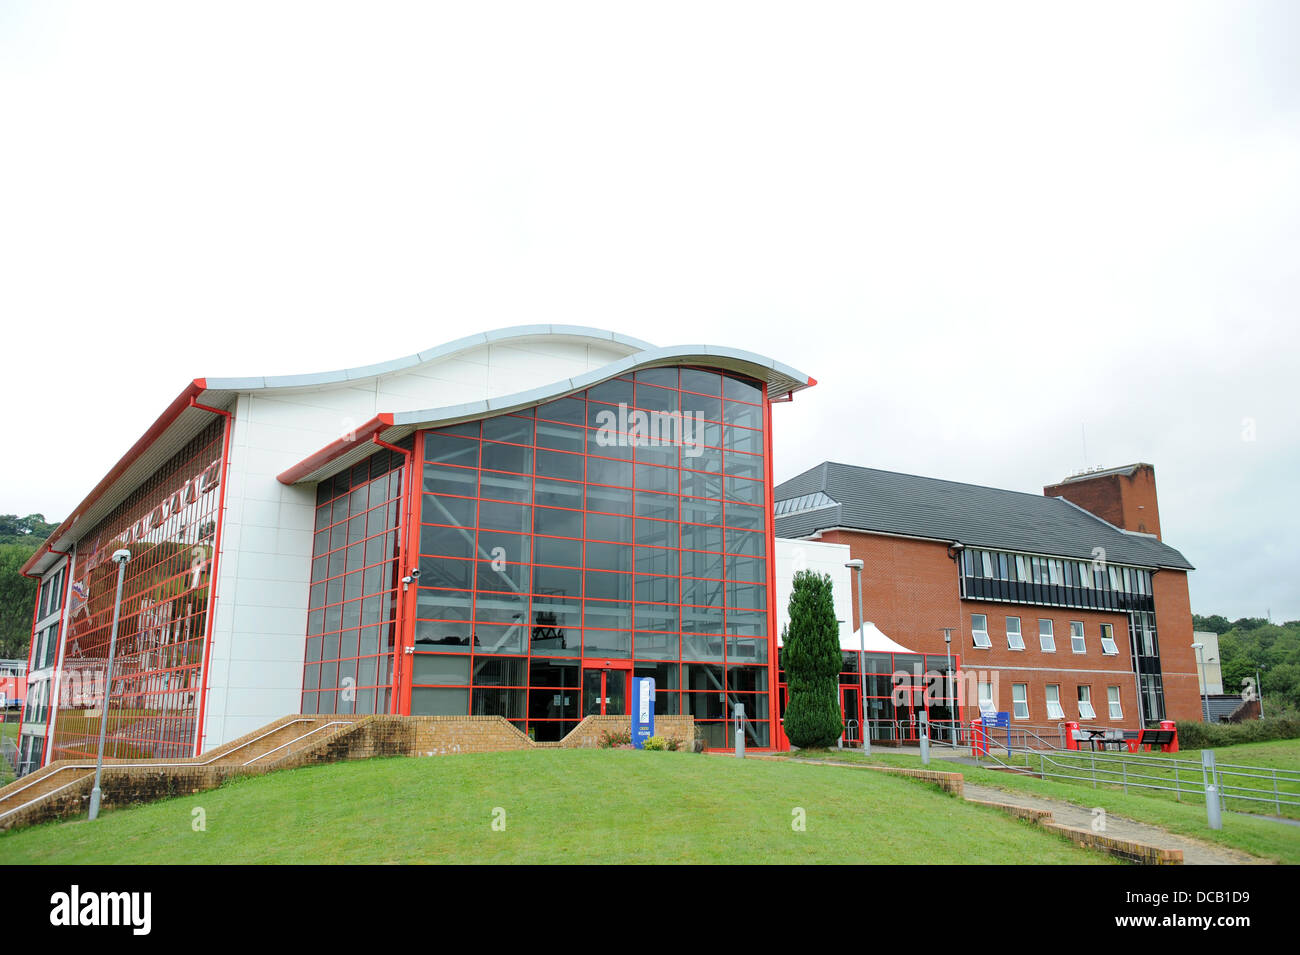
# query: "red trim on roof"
[165,421]
[811,382]
[335,449]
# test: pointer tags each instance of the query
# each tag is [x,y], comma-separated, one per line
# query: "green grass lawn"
[1259,836]
[1276,754]
[581,806]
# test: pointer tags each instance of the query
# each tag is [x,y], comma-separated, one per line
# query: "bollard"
[740,730]
[925,738]
[1211,789]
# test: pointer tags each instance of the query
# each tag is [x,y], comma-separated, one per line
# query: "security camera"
[415,573]
[122,556]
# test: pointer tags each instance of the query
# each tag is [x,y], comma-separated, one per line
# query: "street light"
[120,557]
[948,688]
[856,565]
[1205,698]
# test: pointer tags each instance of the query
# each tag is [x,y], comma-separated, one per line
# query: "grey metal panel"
[430,354]
[534,396]
[906,504]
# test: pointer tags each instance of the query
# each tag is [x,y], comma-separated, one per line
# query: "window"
[1054,711]
[984,694]
[1077,642]
[1112,700]
[1020,700]
[1046,639]
[1014,640]
[979,630]
[1108,640]
[1085,703]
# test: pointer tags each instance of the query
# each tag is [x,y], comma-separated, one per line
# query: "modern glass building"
[512,524]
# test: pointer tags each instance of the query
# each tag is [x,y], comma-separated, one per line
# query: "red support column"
[777,738]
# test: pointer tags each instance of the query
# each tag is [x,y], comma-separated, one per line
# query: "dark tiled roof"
[1221,707]
[891,503]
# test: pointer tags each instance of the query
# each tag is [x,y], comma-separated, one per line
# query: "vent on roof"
[805,502]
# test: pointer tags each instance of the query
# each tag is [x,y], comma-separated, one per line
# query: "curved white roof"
[781,379]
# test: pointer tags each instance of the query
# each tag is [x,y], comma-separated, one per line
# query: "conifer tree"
[811,658]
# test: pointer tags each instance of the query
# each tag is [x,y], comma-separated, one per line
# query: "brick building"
[1066,606]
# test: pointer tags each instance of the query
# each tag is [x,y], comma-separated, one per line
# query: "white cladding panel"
[820,557]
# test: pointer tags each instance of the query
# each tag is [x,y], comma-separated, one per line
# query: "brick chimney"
[1126,497]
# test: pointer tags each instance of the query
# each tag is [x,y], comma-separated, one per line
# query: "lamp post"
[855,565]
[948,687]
[1259,693]
[120,557]
[1205,700]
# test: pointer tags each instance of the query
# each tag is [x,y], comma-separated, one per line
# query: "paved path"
[1194,851]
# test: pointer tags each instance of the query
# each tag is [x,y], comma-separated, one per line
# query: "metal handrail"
[1135,770]
[216,756]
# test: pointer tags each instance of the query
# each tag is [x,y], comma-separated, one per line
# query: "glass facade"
[622,529]
[169,524]
[899,688]
[1053,581]
[352,604]
[1146,664]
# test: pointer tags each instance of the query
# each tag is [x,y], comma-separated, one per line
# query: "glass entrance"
[604,692]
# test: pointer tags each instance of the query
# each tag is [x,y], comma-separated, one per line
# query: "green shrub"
[674,744]
[655,743]
[1193,734]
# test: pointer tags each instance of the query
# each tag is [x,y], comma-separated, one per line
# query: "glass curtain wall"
[624,524]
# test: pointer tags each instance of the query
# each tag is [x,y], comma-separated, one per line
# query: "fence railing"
[1249,787]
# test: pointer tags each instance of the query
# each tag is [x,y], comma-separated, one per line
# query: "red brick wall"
[1178,662]
[1123,500]
[911,589]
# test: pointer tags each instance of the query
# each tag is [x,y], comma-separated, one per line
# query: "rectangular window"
[1015,641]
[1054,711]
[1022,569]
[1046,638]
[1112,700]
[1108,640]
[985,697]
[1085,703]
[1020,700]
[1077,642]
[979,630]
[987,559]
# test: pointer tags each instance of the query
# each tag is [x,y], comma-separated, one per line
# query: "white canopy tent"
[876,641]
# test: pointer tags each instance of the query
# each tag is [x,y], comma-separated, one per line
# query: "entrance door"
[604,690]
[850,707]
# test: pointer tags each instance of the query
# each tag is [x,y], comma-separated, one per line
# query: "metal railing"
[1253,786]
[224,751]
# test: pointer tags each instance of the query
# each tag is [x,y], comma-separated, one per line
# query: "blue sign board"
[643,710]
[1002,720]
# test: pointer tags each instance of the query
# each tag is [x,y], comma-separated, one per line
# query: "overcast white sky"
[983,227]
